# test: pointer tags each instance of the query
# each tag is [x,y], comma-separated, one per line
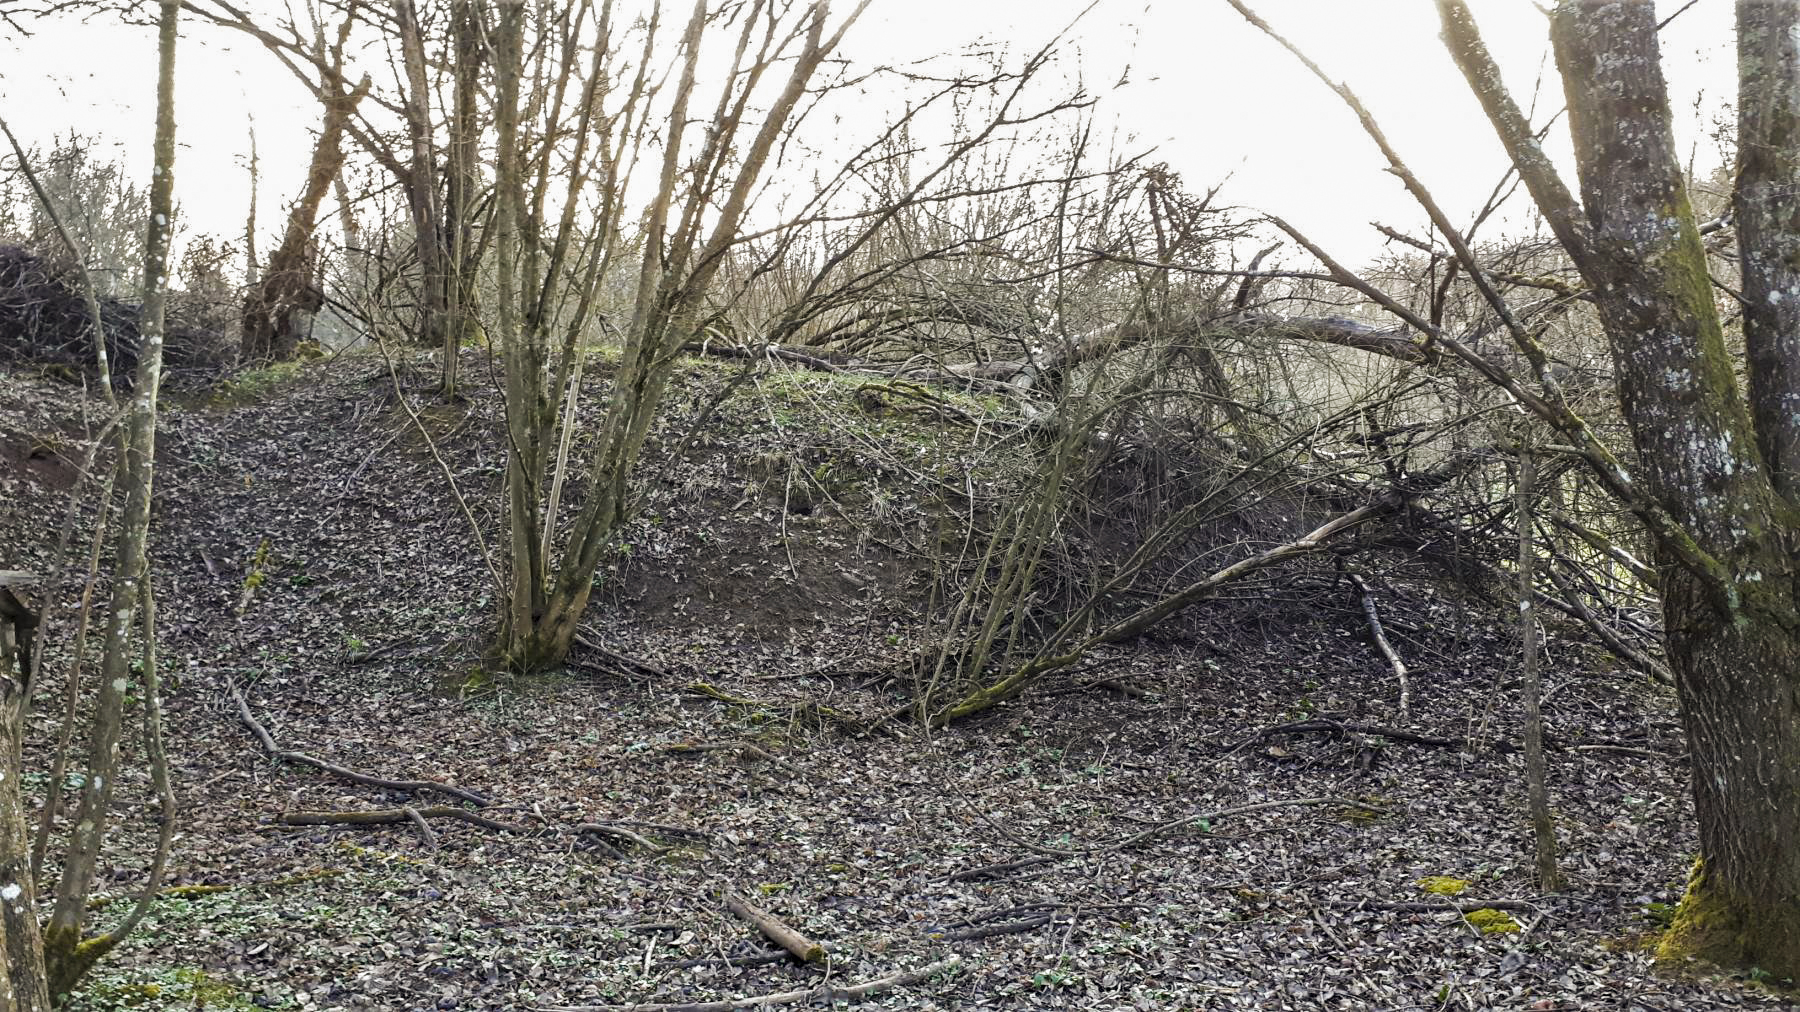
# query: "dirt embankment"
[1080,848]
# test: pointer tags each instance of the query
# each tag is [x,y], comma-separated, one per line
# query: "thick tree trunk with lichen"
[1740,704]
[1734,635]
[1721,466]
[1767,207]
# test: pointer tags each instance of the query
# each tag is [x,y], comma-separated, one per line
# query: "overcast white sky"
[1211,93]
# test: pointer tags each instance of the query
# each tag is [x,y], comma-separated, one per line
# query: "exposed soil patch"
[1038,842]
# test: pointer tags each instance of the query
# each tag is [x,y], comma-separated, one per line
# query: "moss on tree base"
[1757,936]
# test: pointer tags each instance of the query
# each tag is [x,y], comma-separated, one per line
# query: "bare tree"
[271,331]
[440,202]
[691,224]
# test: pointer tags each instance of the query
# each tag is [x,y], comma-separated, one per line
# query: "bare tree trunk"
[271,332]
[23,987]
[67,956]
[462,179]
[421,187]
[1543,827]
[251,267]
[1730,572]
[524,608]
[346,212]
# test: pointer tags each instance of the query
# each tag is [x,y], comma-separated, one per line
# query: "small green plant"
[1659,915]
[1053,979]
[253,385]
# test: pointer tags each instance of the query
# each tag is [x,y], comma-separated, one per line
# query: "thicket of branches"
[1213,405]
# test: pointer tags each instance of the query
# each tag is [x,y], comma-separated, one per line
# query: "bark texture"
[1767,207]
[270,318]
[67,956]
[22,986]
[1717,463]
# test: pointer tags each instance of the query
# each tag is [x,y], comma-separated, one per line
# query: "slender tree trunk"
[251,266]
[1543,827]
[67,957]
[460,184]
[522,644]
[421,187]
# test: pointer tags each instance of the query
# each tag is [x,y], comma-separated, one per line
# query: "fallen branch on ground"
[803,948]
[625,661]
[849,722]
[996,870]
[621,833]
[1630,750]
[1338,728]
[740,747]
[425,833]
[196,890]
[384,816]
[1322,725]
[1382,644]
[1657,670]
[824,992]
[760,959]
[1133,625]
[1018,927]
[409,786]
[419,816]
[1183,823]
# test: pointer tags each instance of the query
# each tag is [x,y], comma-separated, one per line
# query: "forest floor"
[1062,847]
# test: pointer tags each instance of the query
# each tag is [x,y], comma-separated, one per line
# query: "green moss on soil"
[1443,885]
[1492,922]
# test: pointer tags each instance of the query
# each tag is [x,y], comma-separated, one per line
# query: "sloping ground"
[1043,844]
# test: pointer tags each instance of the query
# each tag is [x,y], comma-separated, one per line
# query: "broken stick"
[803,948]
[1386,648]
